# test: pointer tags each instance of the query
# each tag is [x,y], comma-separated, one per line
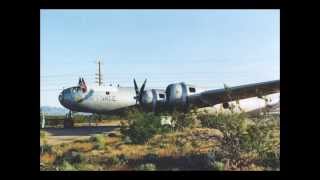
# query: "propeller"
[139,93]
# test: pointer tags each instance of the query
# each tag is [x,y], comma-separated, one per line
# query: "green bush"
[142,126]
[99,141]
[146,167]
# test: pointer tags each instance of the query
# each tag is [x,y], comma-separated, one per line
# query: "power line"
[160,75]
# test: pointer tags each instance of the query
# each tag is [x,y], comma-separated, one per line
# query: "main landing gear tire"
[68,122]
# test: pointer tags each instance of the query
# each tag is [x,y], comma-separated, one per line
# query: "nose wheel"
[68,122]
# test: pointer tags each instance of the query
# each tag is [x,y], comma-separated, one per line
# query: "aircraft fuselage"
[98,99]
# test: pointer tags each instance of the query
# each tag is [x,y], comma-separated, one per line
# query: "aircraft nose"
[60,97]
[64,98]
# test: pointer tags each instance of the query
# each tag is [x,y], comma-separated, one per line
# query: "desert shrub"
[151,158]
[127,140]
[98,140]
[210,159]
[66,166]
[113,160]
[242,136]
[219,166]
[43,134]
[271,160]
[46,148]
[166,128]
[123,159]
[213,160]
[63,145]
[146,167]
[203,161]
[141,127]
[86,167]
[162,145]
[182,120]
[118,160]
[71,156]
[212,120]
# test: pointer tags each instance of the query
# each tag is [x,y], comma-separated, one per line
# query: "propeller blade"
[143,85]
[136,87]
[142,90]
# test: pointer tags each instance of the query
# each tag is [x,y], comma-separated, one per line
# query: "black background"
[22,91]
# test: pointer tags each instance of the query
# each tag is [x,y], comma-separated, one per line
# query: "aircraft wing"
[226,94]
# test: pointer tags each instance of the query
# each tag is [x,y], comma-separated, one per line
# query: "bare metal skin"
[181,96]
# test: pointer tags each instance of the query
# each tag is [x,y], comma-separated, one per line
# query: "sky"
[205,48]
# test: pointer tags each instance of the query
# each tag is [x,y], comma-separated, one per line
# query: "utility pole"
[98,74]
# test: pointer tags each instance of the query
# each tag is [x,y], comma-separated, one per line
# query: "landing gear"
[68,122]
[99,118]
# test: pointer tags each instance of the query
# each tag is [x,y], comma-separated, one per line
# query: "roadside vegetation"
[198,141]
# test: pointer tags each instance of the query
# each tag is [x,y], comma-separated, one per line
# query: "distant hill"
[49,110]
[57,111]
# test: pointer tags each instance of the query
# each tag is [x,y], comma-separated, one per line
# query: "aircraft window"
[161,96]
[191,89]
[107,93]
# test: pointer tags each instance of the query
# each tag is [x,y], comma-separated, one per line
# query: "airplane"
[177,96]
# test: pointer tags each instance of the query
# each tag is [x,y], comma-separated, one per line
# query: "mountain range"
[50,110]
[57,111]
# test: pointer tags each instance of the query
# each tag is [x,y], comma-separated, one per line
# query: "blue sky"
[202,47]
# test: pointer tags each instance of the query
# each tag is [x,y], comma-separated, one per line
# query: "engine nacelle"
[153,99]
[178,94]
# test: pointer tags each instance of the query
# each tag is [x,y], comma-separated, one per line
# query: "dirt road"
[80,132]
